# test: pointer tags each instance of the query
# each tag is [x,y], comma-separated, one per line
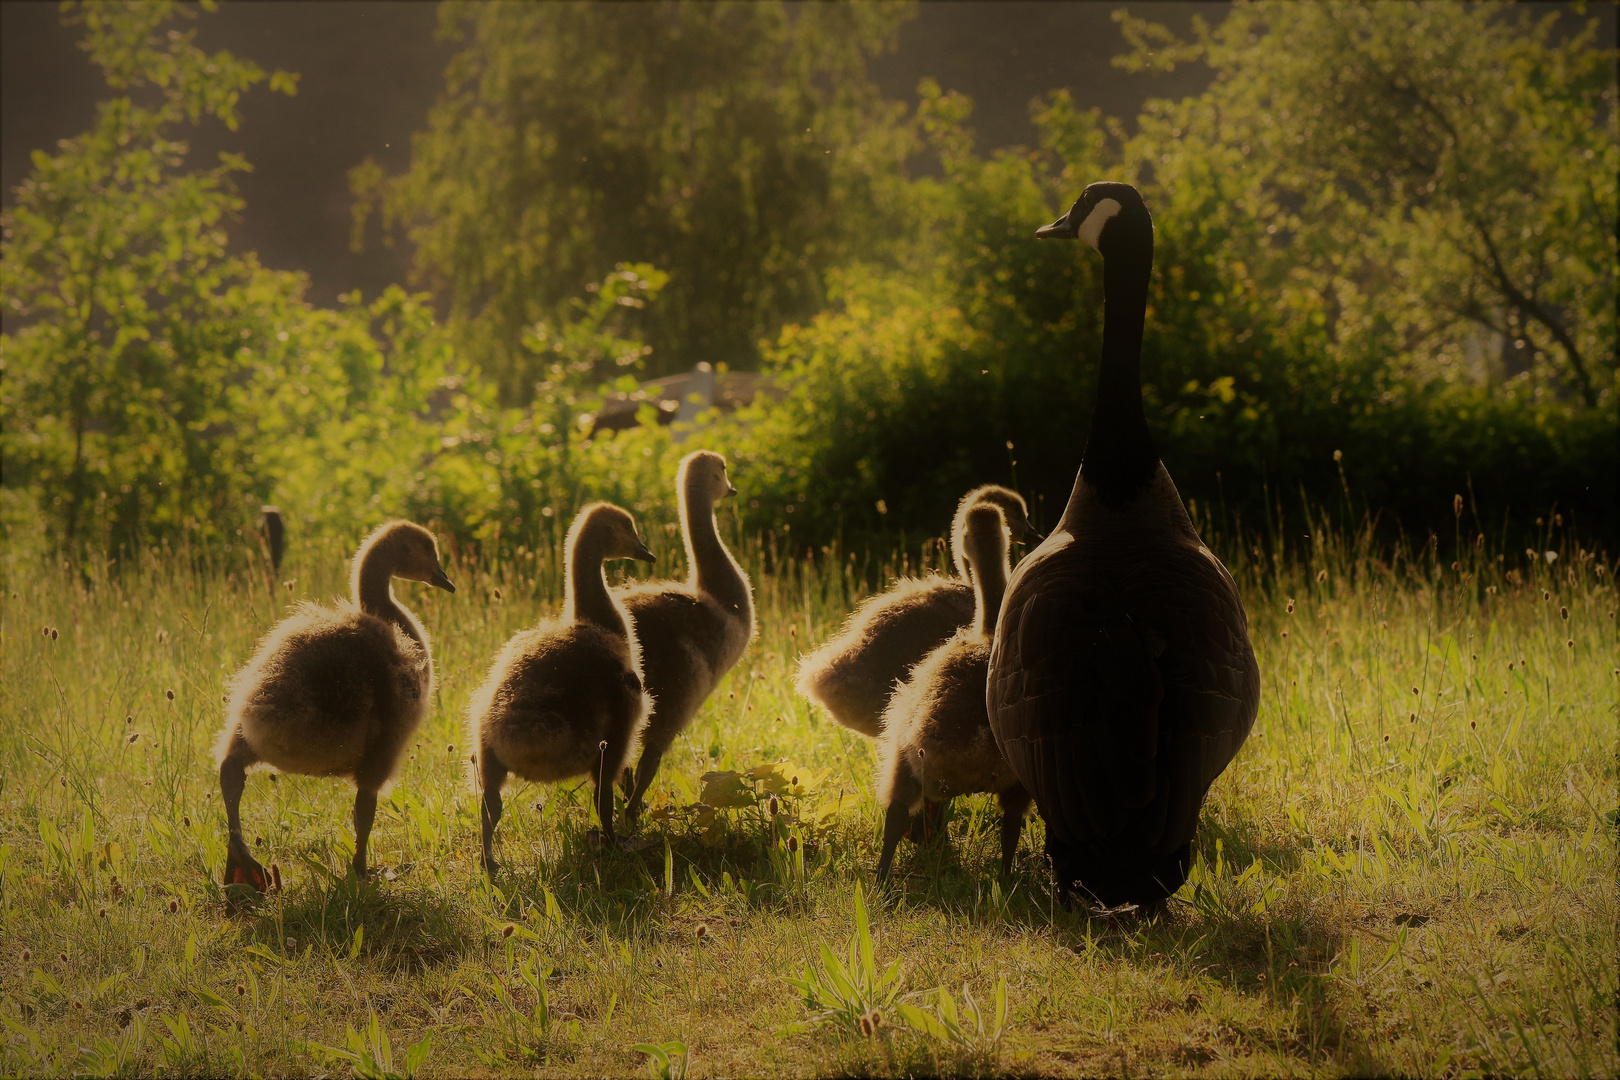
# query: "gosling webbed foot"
[241,868]
[927,824]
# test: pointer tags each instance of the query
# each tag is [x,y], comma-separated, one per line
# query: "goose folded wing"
[1077,712]
[1212,683]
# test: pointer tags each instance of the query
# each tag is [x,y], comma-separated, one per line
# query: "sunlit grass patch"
[1409,868]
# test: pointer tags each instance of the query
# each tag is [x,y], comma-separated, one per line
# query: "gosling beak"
[1064,228]
[1031,537]
[440,581]
[641,553]
[730,491]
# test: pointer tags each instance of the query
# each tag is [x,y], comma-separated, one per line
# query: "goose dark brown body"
[1122,681]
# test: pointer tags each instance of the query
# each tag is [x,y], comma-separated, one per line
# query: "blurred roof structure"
[681,398]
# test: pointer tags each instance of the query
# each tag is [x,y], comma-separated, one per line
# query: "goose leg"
[491,775]
[365,812]
[1014,804]
[241,868]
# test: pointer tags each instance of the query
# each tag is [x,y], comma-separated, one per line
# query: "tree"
[137,329]
[737,147]
[1283,357]
[1429,171]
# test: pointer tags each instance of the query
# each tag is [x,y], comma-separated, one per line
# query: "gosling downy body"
[565,698]
[936,741]
[691,632]
[1122,681]
[334,692]
[854,674]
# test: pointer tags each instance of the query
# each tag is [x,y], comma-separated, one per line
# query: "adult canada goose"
[334,692]
[854,673]
[936,740]
[691,632]
[565,698]
[1122,681]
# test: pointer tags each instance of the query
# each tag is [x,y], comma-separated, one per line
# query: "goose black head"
[1106,214]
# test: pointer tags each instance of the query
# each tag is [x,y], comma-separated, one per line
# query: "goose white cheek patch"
[1092,227]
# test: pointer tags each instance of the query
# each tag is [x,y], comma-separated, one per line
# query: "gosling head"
[409,551]
[702,478]
[610,532]
[985,538]
[1013,508]
[1108,215]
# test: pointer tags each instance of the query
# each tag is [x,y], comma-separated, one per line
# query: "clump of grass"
[1408,868]
[370,1054]
[857,996]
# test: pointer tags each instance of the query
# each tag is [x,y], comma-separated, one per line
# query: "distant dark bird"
[691,632]
[1122,681]
[334,692]
[855,672]
[936,740]
[275,533]
[565,698]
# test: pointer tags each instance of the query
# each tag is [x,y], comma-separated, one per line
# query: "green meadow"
[1409,868]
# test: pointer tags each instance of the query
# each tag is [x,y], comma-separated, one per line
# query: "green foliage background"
[1385,277]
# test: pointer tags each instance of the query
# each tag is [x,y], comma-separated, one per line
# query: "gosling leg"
[904,793]
[610,750]
[241,868]
[928,823]
[491,776]
[647,768]
[1014,805]
[895,824]
[365,812]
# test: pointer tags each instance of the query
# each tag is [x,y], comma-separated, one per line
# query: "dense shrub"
[1260,394]
[1319,331]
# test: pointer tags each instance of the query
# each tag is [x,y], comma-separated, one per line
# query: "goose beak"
[641,553]
[1064,228]
[730,491]
[440,581]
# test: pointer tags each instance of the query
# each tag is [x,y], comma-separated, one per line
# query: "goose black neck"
[585,593]
[1120,457]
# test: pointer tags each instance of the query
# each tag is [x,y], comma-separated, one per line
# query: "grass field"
[1410,868]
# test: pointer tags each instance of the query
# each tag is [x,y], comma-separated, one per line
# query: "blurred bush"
[1323,329]
[1384,278]
[738,146]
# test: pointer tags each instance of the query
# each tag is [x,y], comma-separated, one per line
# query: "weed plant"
[1408,869]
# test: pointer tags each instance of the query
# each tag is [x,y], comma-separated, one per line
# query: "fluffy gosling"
[936,740]
[334,691]
[565,698]
[854,674]
[691,632]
